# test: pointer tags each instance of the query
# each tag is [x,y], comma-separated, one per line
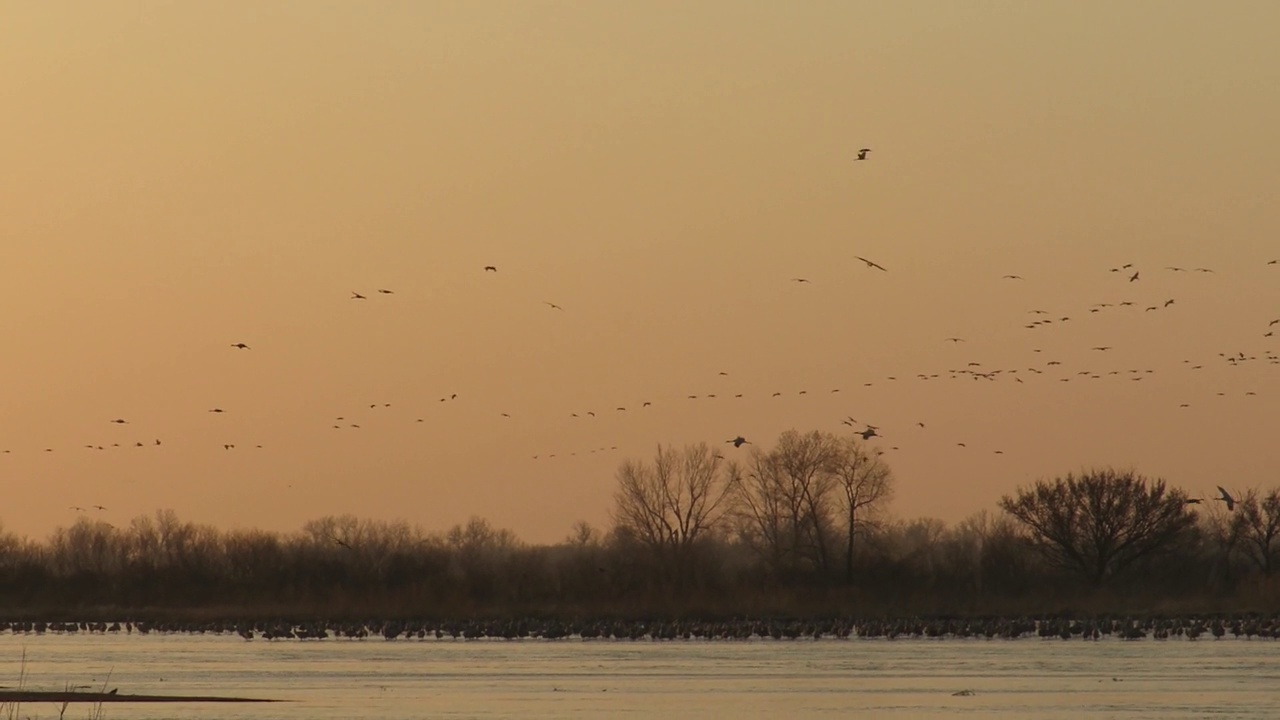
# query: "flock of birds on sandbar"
[1038,319]
[1045,628]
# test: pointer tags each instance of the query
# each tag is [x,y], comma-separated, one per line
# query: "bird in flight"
[356,296]
[1103,348]
[1226,498]
[1012,277]
[739,441]
[240,346]
[871,264]
[1168,302]
[120,421]
[954,340]
[799,280]
[387,292]
[1134,276]
[862,154]
[552,305]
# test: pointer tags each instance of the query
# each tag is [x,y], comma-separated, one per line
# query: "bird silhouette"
[1133,277]
[357,296]
[862,154]
[387,292]
[1226,498]
[552,305]
[799,280]
[870,264]
[240,346]
[739,441]
[490,268]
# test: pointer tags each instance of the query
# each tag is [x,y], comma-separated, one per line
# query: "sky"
[176,178]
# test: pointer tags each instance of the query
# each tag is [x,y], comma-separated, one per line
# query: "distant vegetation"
[798,529]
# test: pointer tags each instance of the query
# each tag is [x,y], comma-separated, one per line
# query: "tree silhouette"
[1101,522]
[866,483]
[671,504]
[1257,523]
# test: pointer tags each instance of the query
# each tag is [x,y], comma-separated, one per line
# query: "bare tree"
[1102,521]
[866,482]
[785,500]
[1256,522]
[671,504]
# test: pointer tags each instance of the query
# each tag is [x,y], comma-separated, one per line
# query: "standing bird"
[862,154]
[870,264]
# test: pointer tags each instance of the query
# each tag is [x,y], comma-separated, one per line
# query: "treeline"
[799,529]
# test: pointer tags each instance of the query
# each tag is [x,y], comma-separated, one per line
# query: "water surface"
[448,678]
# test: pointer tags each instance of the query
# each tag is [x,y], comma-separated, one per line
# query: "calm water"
[601,678]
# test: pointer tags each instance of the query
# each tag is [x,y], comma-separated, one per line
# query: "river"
[374,678]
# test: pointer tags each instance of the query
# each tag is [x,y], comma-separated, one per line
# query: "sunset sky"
[179,177]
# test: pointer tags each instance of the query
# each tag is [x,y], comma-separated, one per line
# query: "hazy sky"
[178,177]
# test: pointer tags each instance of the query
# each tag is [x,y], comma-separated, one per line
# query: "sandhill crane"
[862,154]
[1226,498]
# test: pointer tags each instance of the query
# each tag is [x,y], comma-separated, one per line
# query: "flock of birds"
[1039,320]
[778,628]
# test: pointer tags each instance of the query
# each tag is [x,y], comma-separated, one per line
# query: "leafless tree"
[670,505]
[1102,521]
[866,483]
[1256,522]
[786,500]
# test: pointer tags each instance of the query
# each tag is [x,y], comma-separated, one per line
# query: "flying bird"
[799,280]
[356,296]
[120,421]
[490,268]
[862,154]
[1012,277]
[954,340]
[1134,276]
[387,292]
[240,346]
[1103,348]
[739,441]
[552,305]
[870,264]
[1226,498]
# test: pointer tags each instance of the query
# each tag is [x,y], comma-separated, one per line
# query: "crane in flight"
[862,154]
[870,264]
[1226,498]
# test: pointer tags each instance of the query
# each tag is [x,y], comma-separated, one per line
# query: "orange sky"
[178,177]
